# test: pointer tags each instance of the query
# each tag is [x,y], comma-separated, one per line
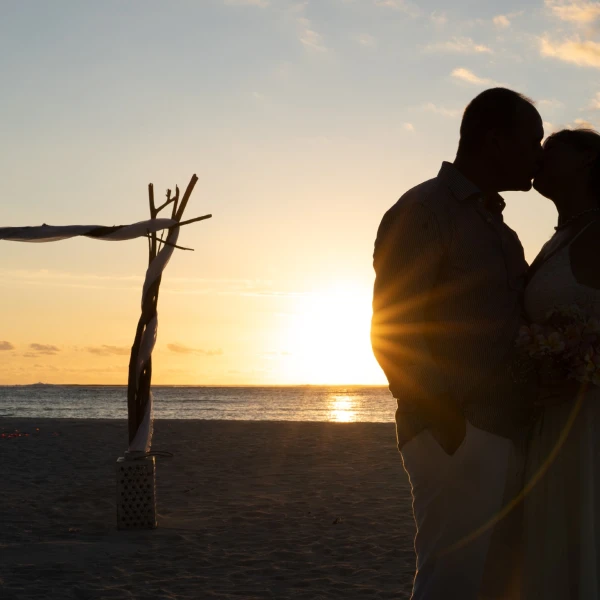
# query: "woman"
[562,502]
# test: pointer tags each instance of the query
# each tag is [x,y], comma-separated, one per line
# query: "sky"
[304,122]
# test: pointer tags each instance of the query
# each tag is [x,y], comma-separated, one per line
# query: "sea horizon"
[306,402]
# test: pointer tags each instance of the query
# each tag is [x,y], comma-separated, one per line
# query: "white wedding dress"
[562,509]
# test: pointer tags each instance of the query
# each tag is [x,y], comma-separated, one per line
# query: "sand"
[246,510]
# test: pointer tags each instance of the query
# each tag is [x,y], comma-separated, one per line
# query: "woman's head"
[571,159]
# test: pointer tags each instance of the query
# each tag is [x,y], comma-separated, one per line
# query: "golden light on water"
[340,409]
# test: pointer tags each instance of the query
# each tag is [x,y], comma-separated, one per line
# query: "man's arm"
[407,260]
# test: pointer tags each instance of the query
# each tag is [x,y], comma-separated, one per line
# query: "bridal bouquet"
[567,344]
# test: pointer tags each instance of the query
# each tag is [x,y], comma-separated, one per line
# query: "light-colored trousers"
[461,552]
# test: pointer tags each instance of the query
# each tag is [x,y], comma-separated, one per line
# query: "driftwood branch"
[176,202]
[169,200]
[153,213]
[202,218]
[138,391]
[186,197]
[165,243]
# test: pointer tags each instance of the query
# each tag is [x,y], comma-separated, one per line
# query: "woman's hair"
[585,140]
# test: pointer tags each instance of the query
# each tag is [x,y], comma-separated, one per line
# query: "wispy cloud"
[548,128]
[583,124]
[505,21]
[259,3]
[6,346]
[105,350]
[501,21]
[551,103]
[439,19]
[408,126]
[576,12]
[366,40]
[470,77]
[176,285]
[44,348]
[311,39]
[405,6]
[582,53]
[440,110]
[459,45]
[595,102]
[181,349]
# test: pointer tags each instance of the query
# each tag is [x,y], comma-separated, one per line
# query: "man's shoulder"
[431,198]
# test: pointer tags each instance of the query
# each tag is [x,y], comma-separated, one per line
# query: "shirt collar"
[463,189]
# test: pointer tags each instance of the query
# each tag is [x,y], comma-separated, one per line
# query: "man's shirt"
[447,300]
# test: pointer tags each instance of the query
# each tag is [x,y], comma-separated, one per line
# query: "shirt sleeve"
[407,259]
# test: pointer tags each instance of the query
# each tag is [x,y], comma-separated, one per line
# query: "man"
[447,306]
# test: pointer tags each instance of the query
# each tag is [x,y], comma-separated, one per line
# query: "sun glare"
[328,336]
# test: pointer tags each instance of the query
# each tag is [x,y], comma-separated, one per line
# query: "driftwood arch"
[136,503]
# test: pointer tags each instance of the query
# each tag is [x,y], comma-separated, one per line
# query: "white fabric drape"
[49,233]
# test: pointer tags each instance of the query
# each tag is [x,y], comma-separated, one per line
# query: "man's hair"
[496,108]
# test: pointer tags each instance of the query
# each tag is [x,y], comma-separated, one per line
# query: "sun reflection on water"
[340,409]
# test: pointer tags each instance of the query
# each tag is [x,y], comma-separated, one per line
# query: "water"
[301,403]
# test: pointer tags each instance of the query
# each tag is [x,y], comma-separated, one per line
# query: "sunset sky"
[304,121]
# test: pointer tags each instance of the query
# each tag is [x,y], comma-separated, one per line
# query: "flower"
[568,342]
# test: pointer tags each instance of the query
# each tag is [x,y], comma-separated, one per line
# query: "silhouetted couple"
[474,427]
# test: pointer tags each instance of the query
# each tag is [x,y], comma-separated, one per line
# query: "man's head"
[503,129]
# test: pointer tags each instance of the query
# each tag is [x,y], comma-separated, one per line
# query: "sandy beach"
[247,510]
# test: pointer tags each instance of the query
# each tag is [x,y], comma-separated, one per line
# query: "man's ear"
[493,141]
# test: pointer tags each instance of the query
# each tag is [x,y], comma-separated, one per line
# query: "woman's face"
[562,166]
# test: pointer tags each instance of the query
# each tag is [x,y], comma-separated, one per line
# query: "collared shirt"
[447,300]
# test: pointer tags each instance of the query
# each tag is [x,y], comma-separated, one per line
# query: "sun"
[328,336]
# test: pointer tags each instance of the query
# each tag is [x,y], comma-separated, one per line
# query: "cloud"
[470,77]
[400,5]
[6,346]
[440,110]
[408,126]
[259,3]
[105,350]
[438,19]
[585,54]
[575,12]
[582,123]
[595,102]
[364,39]
[310,39]
[459,45]
[176,285]
[44,348]
[548,128]
[181,349]
[551,103]
[501,21]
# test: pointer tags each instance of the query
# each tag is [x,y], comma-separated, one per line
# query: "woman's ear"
[588,159]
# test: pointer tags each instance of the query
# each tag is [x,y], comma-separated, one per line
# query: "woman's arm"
[585,257]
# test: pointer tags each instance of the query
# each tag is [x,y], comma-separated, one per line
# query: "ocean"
[285,403]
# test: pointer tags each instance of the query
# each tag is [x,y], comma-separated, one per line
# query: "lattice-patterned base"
[136,493]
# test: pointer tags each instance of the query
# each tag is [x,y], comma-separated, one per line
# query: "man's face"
[520,151]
